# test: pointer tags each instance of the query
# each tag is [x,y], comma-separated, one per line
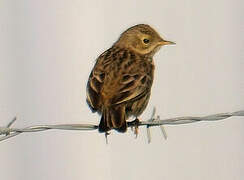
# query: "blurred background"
[47,50]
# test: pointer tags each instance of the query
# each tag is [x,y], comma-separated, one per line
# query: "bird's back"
[118,76]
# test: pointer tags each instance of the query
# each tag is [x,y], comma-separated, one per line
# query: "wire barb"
[153,118]
[8,132]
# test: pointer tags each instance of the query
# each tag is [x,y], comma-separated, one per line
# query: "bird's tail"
[113,117]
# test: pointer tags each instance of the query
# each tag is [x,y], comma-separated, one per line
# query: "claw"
[135,124]
[136,127]
[106,136]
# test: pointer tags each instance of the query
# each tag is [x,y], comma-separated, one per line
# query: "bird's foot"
[106,136]
[135,124]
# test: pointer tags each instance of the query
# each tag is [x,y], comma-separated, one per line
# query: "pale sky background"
[47,49]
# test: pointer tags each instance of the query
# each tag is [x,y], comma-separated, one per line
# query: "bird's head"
[142,39]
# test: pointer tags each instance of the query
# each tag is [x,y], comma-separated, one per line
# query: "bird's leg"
[106,136]
[135,124]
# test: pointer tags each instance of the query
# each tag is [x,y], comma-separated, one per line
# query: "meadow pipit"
[120,83]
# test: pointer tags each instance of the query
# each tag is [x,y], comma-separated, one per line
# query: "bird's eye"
[146,41]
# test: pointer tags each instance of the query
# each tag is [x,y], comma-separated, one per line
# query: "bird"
[119,85]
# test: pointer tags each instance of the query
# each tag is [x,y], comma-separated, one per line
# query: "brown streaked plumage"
[120,83]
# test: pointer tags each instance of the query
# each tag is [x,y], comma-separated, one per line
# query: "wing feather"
[118,77]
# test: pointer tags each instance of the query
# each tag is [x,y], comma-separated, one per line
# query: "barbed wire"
[8,132]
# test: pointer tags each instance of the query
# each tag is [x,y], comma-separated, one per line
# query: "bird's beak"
[164,42]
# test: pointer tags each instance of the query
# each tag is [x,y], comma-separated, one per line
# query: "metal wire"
[8,132]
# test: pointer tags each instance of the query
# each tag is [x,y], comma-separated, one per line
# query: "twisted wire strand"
[8,132]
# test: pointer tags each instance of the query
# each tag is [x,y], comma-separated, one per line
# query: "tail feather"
[113,118]
[104,126]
